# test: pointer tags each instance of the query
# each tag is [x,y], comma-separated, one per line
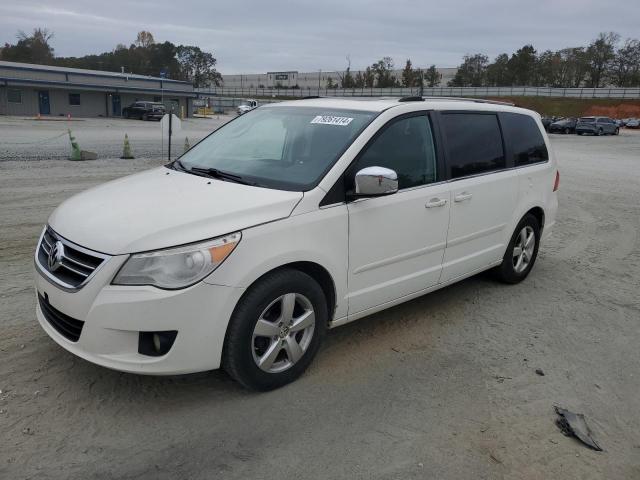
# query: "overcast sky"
[259,36]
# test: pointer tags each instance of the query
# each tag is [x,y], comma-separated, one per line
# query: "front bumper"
[113,316]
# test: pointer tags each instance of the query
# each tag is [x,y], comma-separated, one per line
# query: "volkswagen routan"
[287,221]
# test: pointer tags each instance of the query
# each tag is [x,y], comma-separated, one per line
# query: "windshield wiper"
[219,174]
[177,165]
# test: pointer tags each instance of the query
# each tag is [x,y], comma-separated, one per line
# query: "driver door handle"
[436,202]
[461,197]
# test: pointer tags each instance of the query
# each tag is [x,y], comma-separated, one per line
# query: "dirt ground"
[29,139]
[443,387]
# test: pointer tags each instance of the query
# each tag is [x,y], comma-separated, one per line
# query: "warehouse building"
[317,79]
[29,90]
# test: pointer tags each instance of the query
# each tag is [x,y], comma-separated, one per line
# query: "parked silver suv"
[597,126]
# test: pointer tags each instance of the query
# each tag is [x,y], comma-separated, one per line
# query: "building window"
[74,99]
[14,96]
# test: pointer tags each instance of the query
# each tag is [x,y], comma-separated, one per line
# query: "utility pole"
[319,75]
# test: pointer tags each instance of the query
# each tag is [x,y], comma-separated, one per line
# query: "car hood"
[162,208]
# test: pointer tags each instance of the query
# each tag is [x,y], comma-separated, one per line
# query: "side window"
[405,146]
[475,143]
[523,135]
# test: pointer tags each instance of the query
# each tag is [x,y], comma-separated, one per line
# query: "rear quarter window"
[474,143]
[524,138]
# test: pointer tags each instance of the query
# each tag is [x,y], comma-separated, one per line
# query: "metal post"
[170,131]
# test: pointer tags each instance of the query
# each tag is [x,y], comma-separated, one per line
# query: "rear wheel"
[276,330]
[617,131]
[567,131]
[522,251]
[600,132]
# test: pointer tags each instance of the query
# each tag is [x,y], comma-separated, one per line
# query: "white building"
[291,79]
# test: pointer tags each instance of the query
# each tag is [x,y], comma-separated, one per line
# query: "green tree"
[198,66]
[34,48]
[331,84]
[472,72]
[498,73]
[408,75]
[383,72]
[432,76]
[522,66]
[601,54]
[626,65]
[369,77]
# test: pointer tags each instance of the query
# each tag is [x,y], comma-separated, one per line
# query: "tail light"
[556,184]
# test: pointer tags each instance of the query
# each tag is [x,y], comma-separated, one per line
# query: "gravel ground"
[29,139]
[441,387]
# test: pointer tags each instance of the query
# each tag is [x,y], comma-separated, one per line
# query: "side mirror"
[375,182]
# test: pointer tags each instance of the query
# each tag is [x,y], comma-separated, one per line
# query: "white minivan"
[289,220]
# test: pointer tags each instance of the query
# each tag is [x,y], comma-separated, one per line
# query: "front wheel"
[521,252]
[275,330]
[567,131]
[617,131]
[600,132]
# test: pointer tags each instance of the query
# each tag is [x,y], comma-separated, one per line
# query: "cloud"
[257,36]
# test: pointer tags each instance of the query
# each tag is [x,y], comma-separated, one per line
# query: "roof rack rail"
[471,99]
[411,99]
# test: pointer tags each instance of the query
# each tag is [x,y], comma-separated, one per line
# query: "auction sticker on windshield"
[331,120]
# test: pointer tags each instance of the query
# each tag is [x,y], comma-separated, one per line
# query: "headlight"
[177,267]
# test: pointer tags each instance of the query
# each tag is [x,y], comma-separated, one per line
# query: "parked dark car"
[565,125]
[144,111]
[546,122]
[597,126]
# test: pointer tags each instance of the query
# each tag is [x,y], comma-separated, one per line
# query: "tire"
[245,347]
[600,132]
[567,131]
[144,117]
[617,131]
[511,270]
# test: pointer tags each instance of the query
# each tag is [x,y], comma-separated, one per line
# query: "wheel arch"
[537,212]
[316,271]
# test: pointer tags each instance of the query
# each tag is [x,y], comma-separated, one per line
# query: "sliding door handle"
[461,197]
[436,202]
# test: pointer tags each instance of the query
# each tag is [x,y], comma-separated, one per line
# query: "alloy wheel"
[283,333]
[523,249]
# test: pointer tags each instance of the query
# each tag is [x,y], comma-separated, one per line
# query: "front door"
[116,107]
[483,193]
[396,242]
[43,102]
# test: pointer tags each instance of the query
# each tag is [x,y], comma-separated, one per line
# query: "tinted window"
[405,146]
[74,99]
[475,143]
[523,135]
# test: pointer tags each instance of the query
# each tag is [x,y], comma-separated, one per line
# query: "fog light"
[156,344]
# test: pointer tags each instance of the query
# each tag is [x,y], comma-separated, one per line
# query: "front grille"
[76,264]
[68,327]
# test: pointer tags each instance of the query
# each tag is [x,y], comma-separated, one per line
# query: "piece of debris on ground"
[574,425]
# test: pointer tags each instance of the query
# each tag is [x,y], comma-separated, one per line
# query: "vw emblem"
[56,254]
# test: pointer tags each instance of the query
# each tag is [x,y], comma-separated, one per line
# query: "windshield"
[587,119]
[288,148]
